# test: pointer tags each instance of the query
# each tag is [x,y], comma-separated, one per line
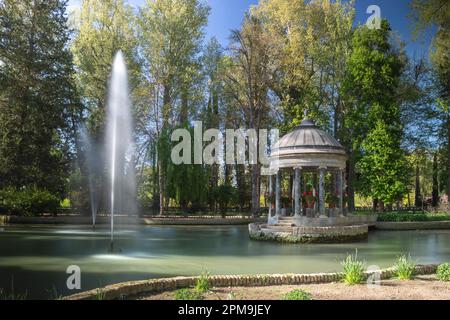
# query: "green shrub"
[297,294]
[443,272]
[223,195]
[12,295]
[100,294]
[188,294]
[353,270]
[28,201]
[65,204]
[412,217]
[202,284]
[404,267]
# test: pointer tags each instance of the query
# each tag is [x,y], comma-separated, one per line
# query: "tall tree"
[436,14]
[102,29]
[373,124]
[312,41]
[38,99]
[171,32]
[249,78]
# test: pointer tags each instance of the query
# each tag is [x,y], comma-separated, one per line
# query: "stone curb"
[134,288]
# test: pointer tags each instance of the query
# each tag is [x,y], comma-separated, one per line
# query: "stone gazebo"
[309,152]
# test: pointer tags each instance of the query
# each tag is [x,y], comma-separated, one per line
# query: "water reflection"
[37,256]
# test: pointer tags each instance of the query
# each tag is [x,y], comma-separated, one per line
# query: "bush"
[353,270]
[404,267]
[297,294]
[188,294]
[28,201]
[223,195]
[202,284]
[412,217]
[443,272]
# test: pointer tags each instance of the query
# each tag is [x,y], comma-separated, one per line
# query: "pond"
[34,259]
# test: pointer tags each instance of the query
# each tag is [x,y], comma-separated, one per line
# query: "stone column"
[271,193]
[341,190]
[316,204]
[278,194]
[322,191]
[298,192]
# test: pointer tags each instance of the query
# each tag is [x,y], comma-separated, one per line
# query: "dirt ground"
[421,288]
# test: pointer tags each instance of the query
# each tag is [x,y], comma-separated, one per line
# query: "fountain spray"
[119,144]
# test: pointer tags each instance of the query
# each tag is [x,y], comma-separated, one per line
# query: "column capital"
[323,167]
[298,167]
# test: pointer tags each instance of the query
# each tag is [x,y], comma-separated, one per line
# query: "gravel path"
[422,288]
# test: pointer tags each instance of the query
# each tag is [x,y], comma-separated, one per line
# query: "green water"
[33,259]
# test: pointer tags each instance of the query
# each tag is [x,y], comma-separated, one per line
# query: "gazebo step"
[285,224]
[278,229]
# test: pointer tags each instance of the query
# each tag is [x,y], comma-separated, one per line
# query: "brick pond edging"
[135,288]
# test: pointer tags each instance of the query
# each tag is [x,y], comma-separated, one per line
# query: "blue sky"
[227,15]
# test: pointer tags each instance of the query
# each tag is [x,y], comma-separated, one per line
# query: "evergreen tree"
[38,105]
[373,123]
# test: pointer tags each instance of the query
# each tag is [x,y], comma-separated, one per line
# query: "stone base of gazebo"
[312,230]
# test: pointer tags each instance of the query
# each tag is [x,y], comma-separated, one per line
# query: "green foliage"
[202,285]
[383,167]
[404,267]
[12,296]
[375,131]
[188,294]
[353,270]
[223,195]
[100,294]
[332,199]
[78,191]
[65,204]
[412,217]
[28,201]
[38,102]
[297,294]
[443,272]
[102,29]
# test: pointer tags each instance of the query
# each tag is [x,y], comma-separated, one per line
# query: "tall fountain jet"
[119,146]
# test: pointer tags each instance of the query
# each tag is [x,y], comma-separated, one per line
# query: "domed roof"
[308,146]
[308,136]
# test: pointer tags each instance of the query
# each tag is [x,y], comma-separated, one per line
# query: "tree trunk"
[161,186]
[418,195]
[448,156]
[350,186]
[435,193]
[255,187]
[375,205]
[161,161]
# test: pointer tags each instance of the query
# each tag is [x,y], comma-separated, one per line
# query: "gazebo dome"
[308,146]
